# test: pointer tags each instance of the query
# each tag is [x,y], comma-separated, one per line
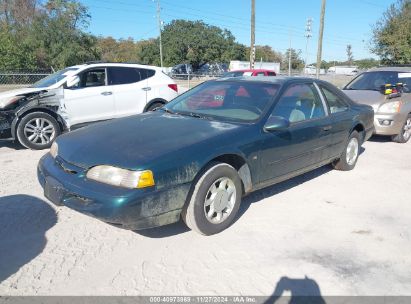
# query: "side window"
[145,73]
[271,74]
[335,103]
[92,78]
[298,103]
[123,75]
[260,74]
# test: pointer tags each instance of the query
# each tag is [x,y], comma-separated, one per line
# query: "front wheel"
[37,130]
[349,157]
[214,201]
[405,134]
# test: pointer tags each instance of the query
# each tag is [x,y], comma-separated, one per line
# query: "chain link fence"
[20,77]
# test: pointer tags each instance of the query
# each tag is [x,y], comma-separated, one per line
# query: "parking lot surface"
[323,233]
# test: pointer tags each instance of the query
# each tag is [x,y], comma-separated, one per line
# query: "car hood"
[135,141]
[368,97]
[18,92]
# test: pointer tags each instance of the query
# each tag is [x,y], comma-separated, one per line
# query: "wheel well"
[241,166]
[360,129]
[151,102]
[44,110]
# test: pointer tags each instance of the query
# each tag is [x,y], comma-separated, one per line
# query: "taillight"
[173,86]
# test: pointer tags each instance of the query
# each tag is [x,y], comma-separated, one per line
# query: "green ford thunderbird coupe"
[196,157]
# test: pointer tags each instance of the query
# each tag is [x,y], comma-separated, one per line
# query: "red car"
[250,72]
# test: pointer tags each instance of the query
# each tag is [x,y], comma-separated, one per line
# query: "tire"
[349,156]
[405,134]
[154,106]
[225,201]
[37,130]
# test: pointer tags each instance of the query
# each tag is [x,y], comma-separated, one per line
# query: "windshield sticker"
[404,75]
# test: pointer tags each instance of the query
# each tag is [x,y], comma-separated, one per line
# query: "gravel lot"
[327,232]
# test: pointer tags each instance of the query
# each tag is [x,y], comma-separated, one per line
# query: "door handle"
[107,93]
[146,89]
[327,128]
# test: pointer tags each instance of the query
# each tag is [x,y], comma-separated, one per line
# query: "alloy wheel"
[220,200]
[352,151]
[39,131]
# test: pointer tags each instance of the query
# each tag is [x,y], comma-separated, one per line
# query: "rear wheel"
[405,134]
[214,201]
[349,157]
[37,130]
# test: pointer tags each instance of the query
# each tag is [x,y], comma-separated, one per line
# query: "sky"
[346,21]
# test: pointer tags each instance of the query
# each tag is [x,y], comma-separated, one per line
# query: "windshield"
[54,78]
[228,101]
[374,80]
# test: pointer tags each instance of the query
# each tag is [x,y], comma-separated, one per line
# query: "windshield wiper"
[165,110]
[195,115]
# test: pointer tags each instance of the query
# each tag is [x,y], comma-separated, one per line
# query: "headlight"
[390,107]
[4,102]
[54,150]
[121,177]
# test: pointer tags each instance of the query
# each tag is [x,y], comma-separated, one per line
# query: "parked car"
[79,95]
[249,72]
[212,69]
[196,160]
[182,71]
[388,91]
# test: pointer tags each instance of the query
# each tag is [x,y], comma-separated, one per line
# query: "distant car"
[212,69]
[80,95]
[182,71]
[250,72]
[388,91]
[195,160]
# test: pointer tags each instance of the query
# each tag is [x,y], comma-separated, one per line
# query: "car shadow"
[380,139]
[303,290]
[264,193]
[164,231]
[10,144]
[24,221]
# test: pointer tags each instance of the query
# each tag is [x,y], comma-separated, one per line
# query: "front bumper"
[396,123]
[66,185]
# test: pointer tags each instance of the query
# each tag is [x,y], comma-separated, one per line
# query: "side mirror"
[72,81]
[276,123]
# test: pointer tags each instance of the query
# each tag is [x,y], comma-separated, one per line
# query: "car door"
[305,142]
[90,100]
[129,87]
[341,119]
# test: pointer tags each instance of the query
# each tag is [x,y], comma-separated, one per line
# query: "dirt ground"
[323,233]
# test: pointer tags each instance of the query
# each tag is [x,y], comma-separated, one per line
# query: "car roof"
[114,64]
[253,70]
[271,79]
[391,69]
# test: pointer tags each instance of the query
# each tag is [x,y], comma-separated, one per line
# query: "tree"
[392,34]
[122,50]
[265,53]
[193,42]
[350,57]
[297,62]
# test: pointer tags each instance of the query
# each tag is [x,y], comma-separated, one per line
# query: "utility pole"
[159,29]
[320,38]
[308,35]
[252,44]
[289,54]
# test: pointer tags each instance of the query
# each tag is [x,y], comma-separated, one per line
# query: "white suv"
[79,95]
